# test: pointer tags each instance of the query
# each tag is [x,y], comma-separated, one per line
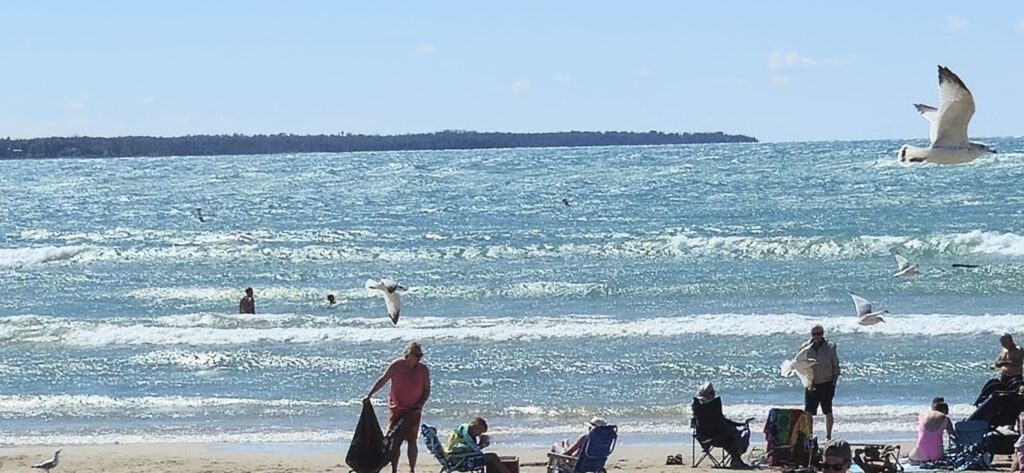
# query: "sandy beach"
[203,458]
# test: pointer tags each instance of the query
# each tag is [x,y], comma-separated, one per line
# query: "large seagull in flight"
[949,143]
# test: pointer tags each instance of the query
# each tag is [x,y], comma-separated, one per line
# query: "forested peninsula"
[213,145]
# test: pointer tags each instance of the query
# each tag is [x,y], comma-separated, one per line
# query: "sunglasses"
[817,334]
[833,466]
[417,355]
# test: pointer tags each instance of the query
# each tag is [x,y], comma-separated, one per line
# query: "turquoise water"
[671,266]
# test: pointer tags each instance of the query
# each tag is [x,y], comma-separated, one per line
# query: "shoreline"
[204,457]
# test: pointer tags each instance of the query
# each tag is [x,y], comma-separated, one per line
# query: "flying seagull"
[948,134]
[49,464]
[391,292]
[801,365]
[904,267]
[867,317]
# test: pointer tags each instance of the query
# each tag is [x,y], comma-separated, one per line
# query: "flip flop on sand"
[676,459]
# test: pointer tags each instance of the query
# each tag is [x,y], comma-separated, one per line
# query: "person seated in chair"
[469,438]
[733,436]
[837,457]
[564,448]
[930,426]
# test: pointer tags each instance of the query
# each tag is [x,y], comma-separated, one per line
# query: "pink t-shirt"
[407,384]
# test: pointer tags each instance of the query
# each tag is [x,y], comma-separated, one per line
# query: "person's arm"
[574,450]
[950,430]
[384,378]
[241,306]
[426,391]
[835,365]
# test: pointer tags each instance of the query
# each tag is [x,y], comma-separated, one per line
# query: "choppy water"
[671,266]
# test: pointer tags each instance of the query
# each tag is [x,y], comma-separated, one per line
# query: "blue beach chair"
[469,462]
[595,452]
[968,450]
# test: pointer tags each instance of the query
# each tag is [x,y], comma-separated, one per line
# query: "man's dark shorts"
[822,394]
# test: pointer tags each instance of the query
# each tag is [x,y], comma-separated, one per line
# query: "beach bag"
[370,450]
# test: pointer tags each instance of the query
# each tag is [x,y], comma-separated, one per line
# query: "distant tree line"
[209,145]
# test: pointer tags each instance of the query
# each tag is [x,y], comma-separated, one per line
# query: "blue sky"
[780,71]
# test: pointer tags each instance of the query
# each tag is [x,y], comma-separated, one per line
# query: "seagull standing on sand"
[867,317]
[904,267]
[801,365]
[391,292]
[49,464]
[948,134]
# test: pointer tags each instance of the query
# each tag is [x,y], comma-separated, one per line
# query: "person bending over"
[470,438]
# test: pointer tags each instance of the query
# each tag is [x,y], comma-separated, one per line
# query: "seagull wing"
[374,285]
[956,107]
[862,304]
[394,303]
[802,366]
[902,262]
[932,115]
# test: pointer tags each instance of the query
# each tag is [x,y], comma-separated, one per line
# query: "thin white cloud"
[840,61]
[520,86]
[80,103]
[956,24]
[786,59]
[780,80]
[562,77]
[1019,26]
[645,72]
[426,49]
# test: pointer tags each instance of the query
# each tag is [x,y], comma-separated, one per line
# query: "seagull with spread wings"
[867,317]
[948,134]
[904,267]
[392,296]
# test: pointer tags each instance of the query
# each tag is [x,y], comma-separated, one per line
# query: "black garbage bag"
[370,450]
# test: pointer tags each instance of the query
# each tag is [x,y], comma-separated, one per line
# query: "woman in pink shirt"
[410,388]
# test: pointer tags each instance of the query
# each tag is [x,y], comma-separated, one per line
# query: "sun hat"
[597,422]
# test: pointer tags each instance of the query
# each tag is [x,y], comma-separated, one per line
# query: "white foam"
[19,257]
[678,245]
[207,329]
[75,405]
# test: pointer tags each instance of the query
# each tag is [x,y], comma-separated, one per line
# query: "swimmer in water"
[199,214]
[331,300]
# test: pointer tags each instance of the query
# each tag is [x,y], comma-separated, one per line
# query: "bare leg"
[412,450]
[828,426]
[396,452]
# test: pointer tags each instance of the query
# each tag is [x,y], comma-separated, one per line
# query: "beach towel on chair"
[787,432]
[369,451]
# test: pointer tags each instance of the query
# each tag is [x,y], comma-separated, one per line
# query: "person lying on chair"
[469,438]
[733,436]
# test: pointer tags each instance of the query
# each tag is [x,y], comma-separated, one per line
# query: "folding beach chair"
[877,458]
[595,452]
[787,433]
[707,428]
[469,462]
[967,447]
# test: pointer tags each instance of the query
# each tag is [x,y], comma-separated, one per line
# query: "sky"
[779,71]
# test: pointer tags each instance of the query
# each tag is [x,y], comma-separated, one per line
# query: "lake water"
[671,266]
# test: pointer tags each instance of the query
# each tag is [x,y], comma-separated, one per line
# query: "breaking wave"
[219,329]
[20,257]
